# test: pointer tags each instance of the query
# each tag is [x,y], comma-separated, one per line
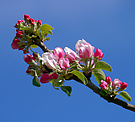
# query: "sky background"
[105,24]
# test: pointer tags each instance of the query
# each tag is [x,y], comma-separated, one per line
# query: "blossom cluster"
[112,87]
[60,61]
[25,30]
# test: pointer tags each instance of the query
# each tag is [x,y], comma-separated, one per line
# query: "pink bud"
[35,55]
[108,79]
[31,21]
[53,76]
[19,34]
[44,78]
[29,69]
[123,85]
[98,53]
[116,83]
[39,22]
[15,44]
[70,54]
[28,58]
[84,49]
[103,85]
[25,51]
[64,63]
[19,21]
[59,52]
[26,17]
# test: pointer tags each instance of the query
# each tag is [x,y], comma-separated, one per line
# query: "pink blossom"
[28,58]
[15,44]
[116,83]
[84,49]
[19,34]
[123,85]
[59,52]
[64,63]
[26,17]
[103,85]
[108,79]
[70,54]
[44,78]
[50,60]
[98,53]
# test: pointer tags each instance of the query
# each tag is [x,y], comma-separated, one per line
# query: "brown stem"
[91,85]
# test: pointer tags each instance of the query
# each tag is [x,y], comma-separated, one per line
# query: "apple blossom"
[103,85]
[70,54]
[64,63]
[50,60]
[84,49]
[59,52]
[116,83]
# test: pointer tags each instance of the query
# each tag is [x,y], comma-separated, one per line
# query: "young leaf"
[102,91]
[35,81]
[34,46]
[45,28]
[99,75]
[80,75]
[125,95]
[25,28]
[66,89]
[103,65]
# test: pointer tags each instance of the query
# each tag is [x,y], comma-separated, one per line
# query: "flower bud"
[44,78]
[70,54]
[53,76]
[19,34]
[59,52]
[28,58]
[103,85]
[26,17]
[123,85]
[15,44]
[108,79]
[32,21]
[98,53]
[64,63]
[39,22]
[116,83]
[84,49]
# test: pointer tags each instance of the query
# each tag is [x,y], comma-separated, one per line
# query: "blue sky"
[106,24]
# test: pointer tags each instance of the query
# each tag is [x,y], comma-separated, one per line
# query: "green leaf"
[66,89]
[103,65]
[35,81]
[125,95]
[99,75]
[25,28]
[81,76]
[48,38]
[34,46]
[45,28]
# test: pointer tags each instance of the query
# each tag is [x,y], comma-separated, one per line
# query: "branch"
[91,85]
